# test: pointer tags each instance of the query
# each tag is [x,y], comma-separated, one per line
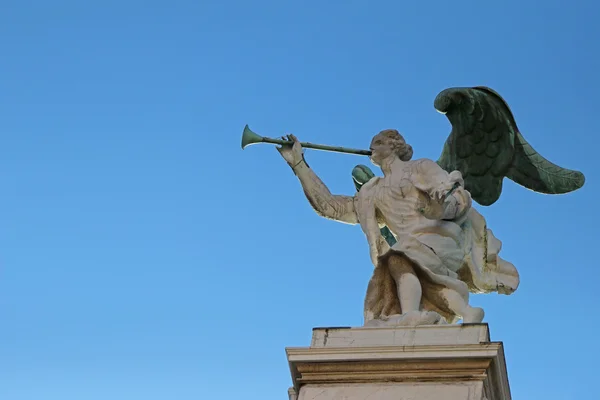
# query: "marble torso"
[398,203]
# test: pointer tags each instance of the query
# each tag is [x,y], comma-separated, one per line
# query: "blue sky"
[144,255]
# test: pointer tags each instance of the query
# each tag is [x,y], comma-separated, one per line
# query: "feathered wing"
[485,145]
[533,171]
[481,144]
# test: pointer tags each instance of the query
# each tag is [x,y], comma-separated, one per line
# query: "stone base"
[402,363]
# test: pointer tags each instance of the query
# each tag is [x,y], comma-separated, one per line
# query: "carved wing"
[485,145]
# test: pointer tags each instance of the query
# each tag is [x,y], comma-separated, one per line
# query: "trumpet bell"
[249,137]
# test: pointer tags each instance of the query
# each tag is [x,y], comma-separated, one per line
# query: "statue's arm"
[335,207]
[457,204]
[436,182]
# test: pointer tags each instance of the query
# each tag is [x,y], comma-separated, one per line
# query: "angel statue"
[429,246]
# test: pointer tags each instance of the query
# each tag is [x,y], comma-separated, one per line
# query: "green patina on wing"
[362,174]
[485,145]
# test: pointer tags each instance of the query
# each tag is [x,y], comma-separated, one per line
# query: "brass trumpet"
[249,137]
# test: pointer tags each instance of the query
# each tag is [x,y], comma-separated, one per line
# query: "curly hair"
[401,148]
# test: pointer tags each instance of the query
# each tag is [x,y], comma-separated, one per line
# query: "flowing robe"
[456,252]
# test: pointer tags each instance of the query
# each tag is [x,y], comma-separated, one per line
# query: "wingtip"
[577,182]
[579,179]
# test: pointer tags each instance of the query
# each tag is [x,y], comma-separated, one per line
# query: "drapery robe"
[459,252]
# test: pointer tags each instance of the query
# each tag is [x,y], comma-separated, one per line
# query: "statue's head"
[389,142]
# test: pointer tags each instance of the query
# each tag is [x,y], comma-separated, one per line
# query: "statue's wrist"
[298,165]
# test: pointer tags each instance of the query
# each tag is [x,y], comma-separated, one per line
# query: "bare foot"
[473,315]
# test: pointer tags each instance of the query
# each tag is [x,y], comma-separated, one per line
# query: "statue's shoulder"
[421,164]
[421,161]
[368,188]
[372,183]
[418,164]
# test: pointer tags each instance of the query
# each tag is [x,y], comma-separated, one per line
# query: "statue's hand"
[456,176]
[292,152]
[436,206]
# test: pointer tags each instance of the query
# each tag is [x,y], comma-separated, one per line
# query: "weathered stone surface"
[436,248]
[409,336]
[425,362]
[462,391]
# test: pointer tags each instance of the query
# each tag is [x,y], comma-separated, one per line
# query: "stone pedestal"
[450,362]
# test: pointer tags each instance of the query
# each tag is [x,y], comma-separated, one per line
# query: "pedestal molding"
[344,363]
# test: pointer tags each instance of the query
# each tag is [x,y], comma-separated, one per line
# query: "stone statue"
[430,248]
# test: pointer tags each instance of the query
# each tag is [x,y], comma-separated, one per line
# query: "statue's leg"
[460,306]
[407,283]
[410,291]
[381,299]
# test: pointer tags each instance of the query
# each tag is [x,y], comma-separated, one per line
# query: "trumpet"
[249,137]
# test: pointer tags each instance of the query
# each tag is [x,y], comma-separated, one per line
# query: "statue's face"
[381,149]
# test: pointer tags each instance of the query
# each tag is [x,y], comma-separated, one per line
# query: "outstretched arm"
[336,207]
[327,205]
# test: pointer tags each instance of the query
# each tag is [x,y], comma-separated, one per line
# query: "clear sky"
[144,255]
